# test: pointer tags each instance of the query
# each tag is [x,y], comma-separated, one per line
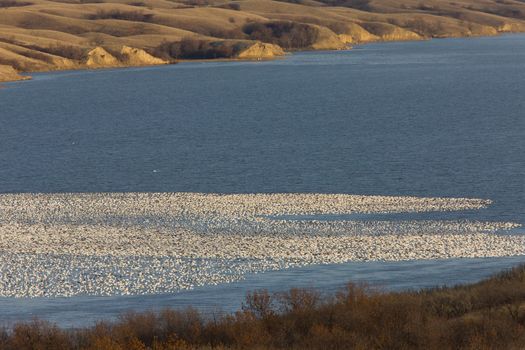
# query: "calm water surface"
[438,118]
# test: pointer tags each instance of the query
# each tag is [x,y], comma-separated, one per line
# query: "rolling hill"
[43,35]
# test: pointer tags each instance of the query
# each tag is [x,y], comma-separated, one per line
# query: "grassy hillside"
[486,315]
[38,35]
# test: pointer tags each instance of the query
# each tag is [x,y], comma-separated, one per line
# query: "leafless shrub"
[13,3]
[231,6]
[363,5]
[190,48]
[135,16]
[485,315]
[197,3]
[289,35]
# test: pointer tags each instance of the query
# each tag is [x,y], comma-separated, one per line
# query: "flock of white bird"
[149,243]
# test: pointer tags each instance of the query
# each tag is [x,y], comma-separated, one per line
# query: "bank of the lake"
[487,314]
[253,52]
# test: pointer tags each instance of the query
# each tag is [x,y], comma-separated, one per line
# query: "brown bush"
[292,1]
[289,35]
[197,3]
[363,5]
[135,16]
[13,3]
[235,33]
[189,48]
[36,335]
[485,315]
[231,6]
[66,51]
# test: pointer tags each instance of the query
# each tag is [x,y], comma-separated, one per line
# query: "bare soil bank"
[8,73]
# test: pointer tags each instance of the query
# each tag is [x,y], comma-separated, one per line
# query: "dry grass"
[485,315]
[322,24]
[13,3]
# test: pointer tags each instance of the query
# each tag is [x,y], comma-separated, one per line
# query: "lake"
[442,118]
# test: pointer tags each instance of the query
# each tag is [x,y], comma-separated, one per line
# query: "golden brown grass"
[486,315]
[41,35]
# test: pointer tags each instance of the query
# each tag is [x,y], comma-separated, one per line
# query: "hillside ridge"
[45,35]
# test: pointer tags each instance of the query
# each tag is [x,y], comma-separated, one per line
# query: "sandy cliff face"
[138,57]
[8,73]
[261,51]
[389,32]
[64,63]
[328,40]
[355,34]
[511,27]
[99,57]
[128,56]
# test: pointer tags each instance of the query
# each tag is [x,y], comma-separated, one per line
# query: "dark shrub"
[196,2]
[13,3]
[66,51]
[292,1]
[13,63]
[135,16]
[363,5]
[189,48]
[289,35]
[231,6]
[485,315]
[236,33]
[37,335]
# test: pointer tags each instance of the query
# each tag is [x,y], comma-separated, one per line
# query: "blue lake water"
[439,118]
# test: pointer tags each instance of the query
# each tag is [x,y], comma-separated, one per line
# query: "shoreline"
[353,315]
[376,274]
[23,75]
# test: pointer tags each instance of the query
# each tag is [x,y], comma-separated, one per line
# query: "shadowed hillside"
[40,35]
[486,315]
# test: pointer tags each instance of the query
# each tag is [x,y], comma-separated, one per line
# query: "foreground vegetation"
[486,315]
[39,35]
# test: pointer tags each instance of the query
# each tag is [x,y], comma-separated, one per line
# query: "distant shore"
[42,36]
[9,74]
